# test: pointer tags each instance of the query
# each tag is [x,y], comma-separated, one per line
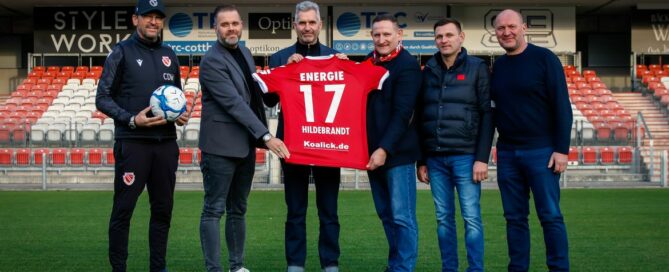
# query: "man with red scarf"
[393,143]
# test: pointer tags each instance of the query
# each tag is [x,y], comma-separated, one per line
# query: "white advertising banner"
[353,25]
[266,29]
[550,27]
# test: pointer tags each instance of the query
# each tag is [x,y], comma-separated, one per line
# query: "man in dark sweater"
[296,177]
[533,117]
[393,143]
[456,135]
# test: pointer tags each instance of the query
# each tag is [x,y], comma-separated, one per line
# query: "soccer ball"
[168,101]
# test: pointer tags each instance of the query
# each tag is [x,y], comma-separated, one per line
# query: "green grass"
[609,230]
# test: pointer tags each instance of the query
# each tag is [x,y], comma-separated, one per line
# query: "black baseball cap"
[146,6]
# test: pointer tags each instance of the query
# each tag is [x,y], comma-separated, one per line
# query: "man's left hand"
[558,162]
[377,159]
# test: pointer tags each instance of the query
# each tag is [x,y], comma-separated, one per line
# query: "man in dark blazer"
[307,26]
[233,125]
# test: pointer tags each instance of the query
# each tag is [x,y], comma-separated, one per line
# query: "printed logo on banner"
[181,25]
[348,24]
[270,25]
[129,178]
[539,27]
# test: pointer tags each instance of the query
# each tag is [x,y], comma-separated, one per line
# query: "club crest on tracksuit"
[167,61]
[129,178]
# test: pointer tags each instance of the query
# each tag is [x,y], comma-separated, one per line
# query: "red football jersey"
[324,101]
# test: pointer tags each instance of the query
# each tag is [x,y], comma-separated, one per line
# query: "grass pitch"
[609,230]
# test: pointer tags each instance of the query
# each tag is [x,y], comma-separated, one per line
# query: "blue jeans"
[394,193]
[518,173]
[446,174]
[227,183]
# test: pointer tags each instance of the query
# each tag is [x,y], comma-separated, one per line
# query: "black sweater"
[531,102]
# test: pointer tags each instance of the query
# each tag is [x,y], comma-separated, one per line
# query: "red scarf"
[377,59]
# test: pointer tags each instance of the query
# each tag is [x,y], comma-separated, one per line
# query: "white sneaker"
[241,270]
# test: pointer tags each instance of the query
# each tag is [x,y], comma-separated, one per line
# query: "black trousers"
[140,163]
[296,182]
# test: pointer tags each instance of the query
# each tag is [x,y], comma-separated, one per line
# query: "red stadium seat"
[77,156]
[37,155]
[589,73]
[39,68]
[606,155]
[572,158]
[5,135]
[53,69]
[260,156]
[199,156]
[603,131]
[83,69]
[625,155]
[59,156]
[96,68]
[95,156]
[589,155]
[6,155]
[23,157]
[109,156]
[654,67]
[19,133]
[620,132]
[185,156]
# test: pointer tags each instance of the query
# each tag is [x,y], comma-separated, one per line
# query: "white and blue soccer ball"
[168,101]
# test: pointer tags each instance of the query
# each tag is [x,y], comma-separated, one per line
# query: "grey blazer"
[229,126]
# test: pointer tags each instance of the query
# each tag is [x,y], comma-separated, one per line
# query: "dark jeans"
[140,163]
[227,183]
[518,173]
[296,182]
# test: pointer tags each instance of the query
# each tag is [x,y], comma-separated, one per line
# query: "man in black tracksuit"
[145,150]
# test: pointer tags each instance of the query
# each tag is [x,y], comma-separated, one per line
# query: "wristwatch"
[132,123]
[267,137]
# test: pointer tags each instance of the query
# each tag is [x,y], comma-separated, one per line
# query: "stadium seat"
[37,155]
[573,155]
[77,156]
[606,155]
[589,155]
[625,155]
[603,131]
[59,156]
[106,134]
[186,156]
[261,156]
[19,134]
[109,156]
[23,157]
[5,135]
[6,155]
[38,133]
[95,156]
